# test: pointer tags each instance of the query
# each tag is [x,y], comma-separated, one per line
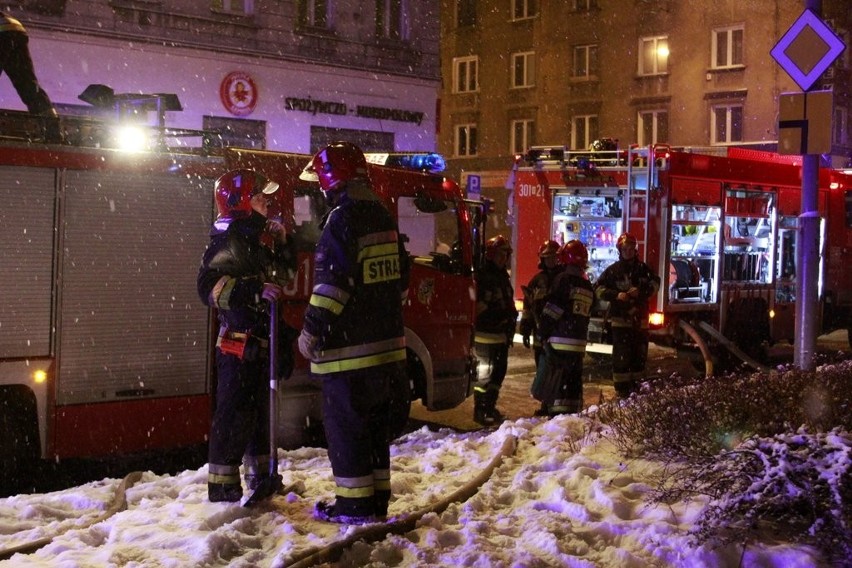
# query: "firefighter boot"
[230,492]
[484,408]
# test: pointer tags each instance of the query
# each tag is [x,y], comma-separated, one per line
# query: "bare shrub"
[771,450]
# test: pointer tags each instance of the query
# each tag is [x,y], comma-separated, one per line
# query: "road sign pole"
[807,251]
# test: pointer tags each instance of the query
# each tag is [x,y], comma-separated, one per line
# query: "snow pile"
[564,498]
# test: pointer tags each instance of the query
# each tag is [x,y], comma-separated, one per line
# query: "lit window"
[726,124]
[233,6]
[315,13]
[523,69]
[392,19]
[653,127]
[521,136]
[653,55]
[466,74]
[585,61]
[584,130]
[523,9]
[727,46]
[466,140]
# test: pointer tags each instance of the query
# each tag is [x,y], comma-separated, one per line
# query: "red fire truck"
[105,348]
[720,228]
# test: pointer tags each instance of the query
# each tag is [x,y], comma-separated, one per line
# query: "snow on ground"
[564,498]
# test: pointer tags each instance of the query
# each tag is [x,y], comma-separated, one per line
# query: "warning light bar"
[429,162]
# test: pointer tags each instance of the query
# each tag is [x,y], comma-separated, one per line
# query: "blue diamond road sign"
[807,49]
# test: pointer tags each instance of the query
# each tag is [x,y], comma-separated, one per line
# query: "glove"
[526,341]
[308,346]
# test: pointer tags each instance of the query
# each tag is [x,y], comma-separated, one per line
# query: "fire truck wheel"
[19,438]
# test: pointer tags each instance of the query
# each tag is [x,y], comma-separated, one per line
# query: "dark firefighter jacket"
[495,305]
[565,318]
[360,282]
[621,276]
[535,298]
[233,270]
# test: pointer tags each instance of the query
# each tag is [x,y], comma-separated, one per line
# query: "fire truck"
[718,225]
[105,348]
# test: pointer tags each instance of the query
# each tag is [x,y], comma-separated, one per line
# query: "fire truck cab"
[720,229]
[105,348]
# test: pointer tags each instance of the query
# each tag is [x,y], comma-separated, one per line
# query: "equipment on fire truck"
[723,227]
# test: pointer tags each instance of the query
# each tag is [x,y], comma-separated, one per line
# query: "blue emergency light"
[429,162]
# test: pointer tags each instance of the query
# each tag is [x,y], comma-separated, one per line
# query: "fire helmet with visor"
[335,165]
[235,190]
[574,253]
[495,245]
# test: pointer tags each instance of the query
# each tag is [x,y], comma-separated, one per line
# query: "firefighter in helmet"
[496,317]
[353,334]
[535,294]
[564,325]
[248,260]
[627,285]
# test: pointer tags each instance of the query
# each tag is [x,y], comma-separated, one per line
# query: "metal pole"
[807,252]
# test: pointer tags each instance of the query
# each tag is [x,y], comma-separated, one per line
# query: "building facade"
[518,73]
[285,75]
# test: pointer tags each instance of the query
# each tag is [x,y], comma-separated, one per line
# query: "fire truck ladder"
[641,177]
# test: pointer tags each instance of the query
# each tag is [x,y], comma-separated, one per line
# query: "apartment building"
[285,75]
[518,73]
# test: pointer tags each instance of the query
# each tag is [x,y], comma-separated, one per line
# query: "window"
[840,127]
[233,6]
[584,130]
[466,74]
[726,124]
[585,61]
[523,69]
[727,46]
[521,136]
[432,228]
[392,19]
[653,55]
[523,9]
[583,5]
[653,127]
[367,140]
[466,13]
[315,13]
[234,133]
[465,140]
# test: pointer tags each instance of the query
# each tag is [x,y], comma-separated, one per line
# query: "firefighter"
[564,325]
[496,318]
[627,285]
[16,61]
[247,262]
[535,294]
[353,334]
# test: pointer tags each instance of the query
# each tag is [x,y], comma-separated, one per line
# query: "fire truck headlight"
[656,319]
[131,139]
[39,376]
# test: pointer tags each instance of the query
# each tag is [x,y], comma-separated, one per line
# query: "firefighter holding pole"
[242,272]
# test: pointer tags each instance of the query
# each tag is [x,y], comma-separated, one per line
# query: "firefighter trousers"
[240,425]
[356,416]
[629,357]
[558,382]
